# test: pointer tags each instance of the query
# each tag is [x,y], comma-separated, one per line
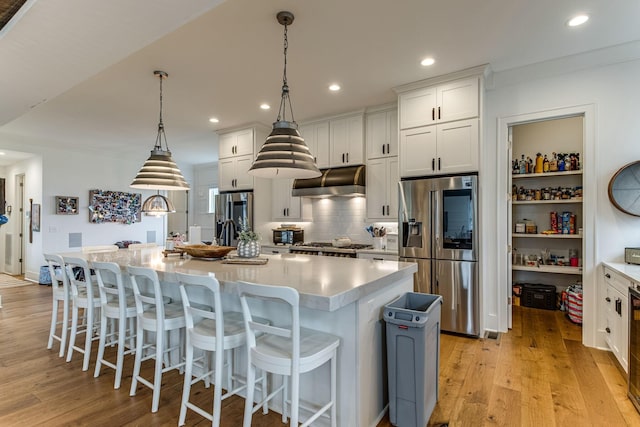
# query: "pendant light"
[160,172]
[284,154]
[157,205]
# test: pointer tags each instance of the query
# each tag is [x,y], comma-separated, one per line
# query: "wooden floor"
[536,375]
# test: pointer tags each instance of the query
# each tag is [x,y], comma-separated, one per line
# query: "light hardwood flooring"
[538,374]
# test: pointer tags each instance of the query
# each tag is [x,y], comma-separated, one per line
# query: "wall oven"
[634,346]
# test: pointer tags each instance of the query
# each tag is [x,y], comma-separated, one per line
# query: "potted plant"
[248,240]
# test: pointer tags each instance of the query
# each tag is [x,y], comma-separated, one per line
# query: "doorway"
[508,237]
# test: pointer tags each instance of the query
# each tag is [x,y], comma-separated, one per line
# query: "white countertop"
[629,271]
[324,283]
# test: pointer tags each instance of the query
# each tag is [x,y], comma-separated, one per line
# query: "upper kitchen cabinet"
[286,207]
[456,100]
[382,134]
[236,154]
[316,136]
[346,141]
[238,143]
[440,149]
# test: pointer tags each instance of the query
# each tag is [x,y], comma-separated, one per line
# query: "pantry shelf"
[540,175]
[545,202]
[549,269]
[548,236]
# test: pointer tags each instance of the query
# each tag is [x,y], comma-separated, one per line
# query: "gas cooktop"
[329,245]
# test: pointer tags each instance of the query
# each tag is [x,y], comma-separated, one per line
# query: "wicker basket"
[206,251]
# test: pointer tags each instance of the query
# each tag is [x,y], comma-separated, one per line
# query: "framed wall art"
[66,205]
[114,206]
[35,217]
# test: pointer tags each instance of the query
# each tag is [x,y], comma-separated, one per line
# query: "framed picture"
[66,205]
[114,206]
[35,217]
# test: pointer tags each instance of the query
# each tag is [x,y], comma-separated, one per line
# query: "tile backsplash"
[339,216]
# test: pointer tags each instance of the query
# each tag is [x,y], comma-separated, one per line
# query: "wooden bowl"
[206,251]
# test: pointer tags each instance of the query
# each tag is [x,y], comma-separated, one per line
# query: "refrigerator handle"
[403,202]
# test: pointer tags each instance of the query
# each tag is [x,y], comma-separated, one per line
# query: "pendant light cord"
[282,111]
[161,135]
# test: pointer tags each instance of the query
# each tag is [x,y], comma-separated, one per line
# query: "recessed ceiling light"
[214,120]
[427,61]
[2,153]
[265,106]
[578,20]
[334,87]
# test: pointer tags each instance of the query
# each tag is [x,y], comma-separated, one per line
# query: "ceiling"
[78,74]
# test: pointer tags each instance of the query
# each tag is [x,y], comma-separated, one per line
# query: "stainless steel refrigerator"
[229,208]
[436,224]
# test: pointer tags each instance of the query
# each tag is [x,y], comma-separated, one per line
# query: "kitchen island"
[342,296]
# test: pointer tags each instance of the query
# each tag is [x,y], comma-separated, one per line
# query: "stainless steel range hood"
[347,181]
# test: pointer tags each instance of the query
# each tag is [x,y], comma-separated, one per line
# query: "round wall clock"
[624,189]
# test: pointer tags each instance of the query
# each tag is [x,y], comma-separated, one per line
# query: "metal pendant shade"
[157,205]
[160,172]
[284,154]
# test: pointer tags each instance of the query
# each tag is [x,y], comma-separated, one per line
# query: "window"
[213,192]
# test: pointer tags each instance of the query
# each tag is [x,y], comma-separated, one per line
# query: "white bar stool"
[287,351]
[115,304]
[61,292]
[210,330]
[153,315]
[85,296]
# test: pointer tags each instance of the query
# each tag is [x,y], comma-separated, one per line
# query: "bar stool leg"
[248,404]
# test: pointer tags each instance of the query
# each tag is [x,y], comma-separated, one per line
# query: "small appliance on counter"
[288,235]
[632,255]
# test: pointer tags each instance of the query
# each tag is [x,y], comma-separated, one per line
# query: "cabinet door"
[458,100]
[244,181]
[346,143]
[377,185]
[316,136]
[226,144]
[226,174]
[244,142]
[382,134]
[418,151]
[284,206]
[392,192]
[457,147]
[417,108]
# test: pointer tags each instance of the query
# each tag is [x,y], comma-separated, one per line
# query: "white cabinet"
[233,173]
[286,207]
[316,136]
[451,101]
[238,143]
[236,155]
[439,149]
[382,189]
[346,141]
[382,134]
[616,302]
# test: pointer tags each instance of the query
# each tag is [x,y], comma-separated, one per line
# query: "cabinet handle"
[438,163]
[607,299]
[284,212]
[608,330]
[433,164]
[347,157]
[383,149]
[388,149]
[433,113]
[342,157]
[608,276]
[382,210]
[439,113]
[619,306]
[387,209]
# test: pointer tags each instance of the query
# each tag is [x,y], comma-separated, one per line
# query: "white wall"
[614,92]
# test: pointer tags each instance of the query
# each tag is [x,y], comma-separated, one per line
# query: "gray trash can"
[413,357]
